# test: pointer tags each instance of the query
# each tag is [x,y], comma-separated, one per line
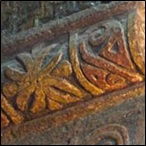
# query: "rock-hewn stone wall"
[22,15]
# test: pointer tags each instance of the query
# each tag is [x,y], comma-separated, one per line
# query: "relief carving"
[112,134]
[108,69]
[39,82]
[102,62]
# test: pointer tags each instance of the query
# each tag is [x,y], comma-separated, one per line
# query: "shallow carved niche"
[102,59]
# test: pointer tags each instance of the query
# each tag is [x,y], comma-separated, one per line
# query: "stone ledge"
[107,105]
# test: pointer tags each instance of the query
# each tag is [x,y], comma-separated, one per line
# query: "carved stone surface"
[94,71]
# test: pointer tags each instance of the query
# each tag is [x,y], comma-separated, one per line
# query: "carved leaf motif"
[39,56]
[63,70]
[53,105]
[35,85]
[62,84]
[24,96]
[39,103]
[76,66]
[4,120]
[53,63]
[57,96]
[11,112]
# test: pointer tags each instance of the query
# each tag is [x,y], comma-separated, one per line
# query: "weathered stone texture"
[78,80]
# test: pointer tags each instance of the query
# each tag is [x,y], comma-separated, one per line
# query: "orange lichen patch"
[4,120]
[11,112]
[76,67]
[136,37]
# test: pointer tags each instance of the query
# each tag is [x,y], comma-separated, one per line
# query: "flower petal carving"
[63,70]
[24,96]
[14,75]
[11,112]
[38,85]
[26,60]
[39,103]
[76,66]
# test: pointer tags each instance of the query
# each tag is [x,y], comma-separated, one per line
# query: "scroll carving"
[112,134]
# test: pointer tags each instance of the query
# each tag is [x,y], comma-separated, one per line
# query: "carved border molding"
[105,58]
